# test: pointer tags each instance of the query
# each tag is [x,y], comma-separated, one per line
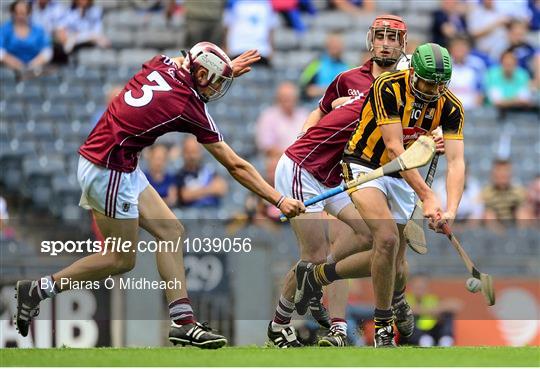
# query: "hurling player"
[311,165]
[167,95]
[400,107]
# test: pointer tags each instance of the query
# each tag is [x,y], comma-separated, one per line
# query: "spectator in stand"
[250,25]
[279,125]
[470,209]
[534,7]
[291,9]
[488,28]
[203,22]
[354,7]
[448,22]
[24,46]
[198,184]
[321,72]
[468,73]
[515,9]
[4,217]
[502,199]
[434,315]
[111,94]
[518,44]
[529,214]
[508,85]
[157,174]
[82,27]
[48,14]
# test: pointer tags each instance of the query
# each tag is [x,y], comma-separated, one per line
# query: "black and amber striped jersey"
[390,101]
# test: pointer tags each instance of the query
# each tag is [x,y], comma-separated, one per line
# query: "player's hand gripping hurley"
[417,155]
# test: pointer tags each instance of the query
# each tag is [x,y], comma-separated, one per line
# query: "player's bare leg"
[90,268]
[160,222]
[403,313]
[348,235]
[310,231]
[107,263]
[373,207]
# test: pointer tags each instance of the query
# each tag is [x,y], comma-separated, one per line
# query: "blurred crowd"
[490,40]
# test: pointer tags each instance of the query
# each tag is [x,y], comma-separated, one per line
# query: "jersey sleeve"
[332,92]
[199,122]
[452,119]
[383,103]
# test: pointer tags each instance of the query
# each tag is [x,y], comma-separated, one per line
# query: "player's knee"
[315,256]
[122,263]
[170,229]
[387,243]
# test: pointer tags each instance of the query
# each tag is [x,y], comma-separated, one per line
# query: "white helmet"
[219,67]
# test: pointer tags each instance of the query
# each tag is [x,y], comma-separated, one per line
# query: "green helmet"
[432,64]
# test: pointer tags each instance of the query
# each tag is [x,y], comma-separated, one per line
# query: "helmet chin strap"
[384,62]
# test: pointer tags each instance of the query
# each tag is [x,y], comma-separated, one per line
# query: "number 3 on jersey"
[148,90]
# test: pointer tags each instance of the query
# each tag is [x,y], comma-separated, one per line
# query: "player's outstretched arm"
[241,64]
[247,176]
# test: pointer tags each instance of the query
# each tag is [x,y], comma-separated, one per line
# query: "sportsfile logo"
[110,244]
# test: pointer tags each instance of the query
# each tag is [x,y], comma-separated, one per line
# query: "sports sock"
[398,296]
[283,314]
[325,274]
[339,324]
[181,312]
[46,288]
[383,318]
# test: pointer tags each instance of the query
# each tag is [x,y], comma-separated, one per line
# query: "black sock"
[330,272]
[383,318]
[325,274]
[398,296]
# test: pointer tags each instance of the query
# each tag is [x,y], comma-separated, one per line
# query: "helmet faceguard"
[218,65]
[387,27]
[431,70]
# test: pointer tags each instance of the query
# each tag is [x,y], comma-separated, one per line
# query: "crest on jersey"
[125,207]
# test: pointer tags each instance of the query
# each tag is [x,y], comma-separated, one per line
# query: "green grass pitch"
[257,356]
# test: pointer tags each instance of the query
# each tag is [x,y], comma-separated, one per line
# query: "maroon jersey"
[354,82]
[320,149]
[158,99]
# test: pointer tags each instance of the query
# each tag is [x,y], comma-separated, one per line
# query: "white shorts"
[112,193]
[401,197]
[295,182]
